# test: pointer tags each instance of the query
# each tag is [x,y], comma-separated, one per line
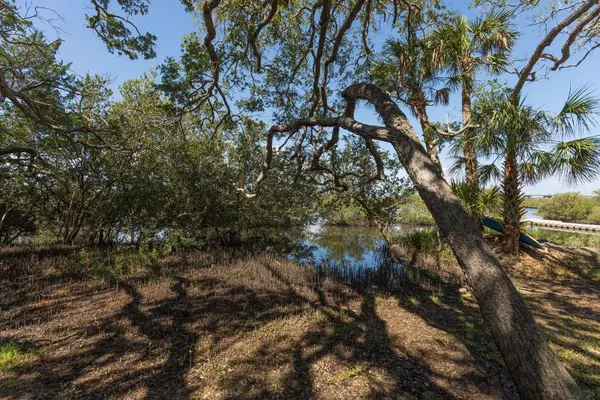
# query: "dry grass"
[232,326]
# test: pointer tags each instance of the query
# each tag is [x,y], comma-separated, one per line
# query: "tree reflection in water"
[356,255]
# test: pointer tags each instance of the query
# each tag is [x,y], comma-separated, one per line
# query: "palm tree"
[533,144]
[464,48]
[478,203]
[408,71]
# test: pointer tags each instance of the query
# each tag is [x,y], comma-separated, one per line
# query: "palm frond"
[442,96]
[453,82]
[529,172]
[578,113]
[496,63]
[537,166]
[489,173]
[457,165]
[577,160]
[495,32]
[491,200]
[478,202]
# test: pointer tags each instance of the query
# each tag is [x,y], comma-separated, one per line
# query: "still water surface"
[530,214]
[355,247]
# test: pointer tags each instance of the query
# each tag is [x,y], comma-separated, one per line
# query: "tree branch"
[566,48]
[547,41]
[336,46]
[347,122]
[252,40]
[323,24]
[17,150]
[448,133]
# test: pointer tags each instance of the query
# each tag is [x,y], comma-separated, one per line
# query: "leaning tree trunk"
[469,150]
[535,369]
[512,206]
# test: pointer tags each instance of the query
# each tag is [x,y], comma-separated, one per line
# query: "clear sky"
[169,21]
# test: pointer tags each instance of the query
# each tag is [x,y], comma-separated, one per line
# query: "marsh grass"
[429,260]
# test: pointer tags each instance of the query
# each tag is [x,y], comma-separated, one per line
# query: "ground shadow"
[227,332]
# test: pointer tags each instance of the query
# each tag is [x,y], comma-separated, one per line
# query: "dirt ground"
[206,327]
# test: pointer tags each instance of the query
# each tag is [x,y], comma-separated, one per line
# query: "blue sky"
[168,20]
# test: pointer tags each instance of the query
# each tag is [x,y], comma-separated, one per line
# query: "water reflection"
[354,247]
[530,213]
[355,255]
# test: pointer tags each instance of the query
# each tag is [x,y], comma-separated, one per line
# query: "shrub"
[343,212]
[534,202]
[413,210]
[594,216]
[567,238]
[568,207]
[423,240]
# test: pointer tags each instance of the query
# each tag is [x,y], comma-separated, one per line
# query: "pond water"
[530,214]
[355,255]
[355,247]
[348,246]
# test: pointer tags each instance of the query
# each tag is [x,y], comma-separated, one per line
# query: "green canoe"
[496,225]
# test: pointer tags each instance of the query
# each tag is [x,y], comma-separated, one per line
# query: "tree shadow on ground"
[571,320]
[457,314]
[581,263]
[252,330]
[567,311]
[357,338]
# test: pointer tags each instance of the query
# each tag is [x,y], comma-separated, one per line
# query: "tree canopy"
[181,157]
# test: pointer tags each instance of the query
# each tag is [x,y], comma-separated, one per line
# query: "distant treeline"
[568,207]
[410,209]
[534,202]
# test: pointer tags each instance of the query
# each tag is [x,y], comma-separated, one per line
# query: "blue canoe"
[497,225]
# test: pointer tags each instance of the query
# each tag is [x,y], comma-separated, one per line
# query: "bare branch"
[448,133]
[336,46]
[582,59]
[323,24]
[526,72]
[366,131]
[211,34]
[252,40]
[365,31]
[566,48]
[377,157]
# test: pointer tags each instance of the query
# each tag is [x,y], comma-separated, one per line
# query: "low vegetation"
[155,326]
[11,355]
[572,207]
[534,202]
[576,240]
[413,210]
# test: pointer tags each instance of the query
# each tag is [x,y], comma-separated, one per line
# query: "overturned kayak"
[497,225]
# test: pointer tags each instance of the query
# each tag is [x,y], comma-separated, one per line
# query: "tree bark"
[535,369]
[429,138]
[469,151]
[512,206]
